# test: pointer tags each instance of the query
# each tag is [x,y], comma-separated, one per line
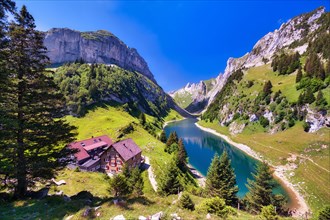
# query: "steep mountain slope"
[276,100]
[65,45]
[98,67]
[294,35]
[86,84]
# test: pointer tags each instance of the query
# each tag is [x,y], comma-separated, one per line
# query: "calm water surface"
[201,147]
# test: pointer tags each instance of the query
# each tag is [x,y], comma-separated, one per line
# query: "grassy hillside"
[312,149]
[108,120]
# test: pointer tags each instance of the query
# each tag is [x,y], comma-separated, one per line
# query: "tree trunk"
[21,186]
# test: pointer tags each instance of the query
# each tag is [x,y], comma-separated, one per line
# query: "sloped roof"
[88,144]
[95,145]
[81,154]
[127,149]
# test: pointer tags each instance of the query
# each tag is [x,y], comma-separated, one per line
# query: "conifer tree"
[33,137]
[169,182]
[142,118]
[118,185]
[182,155]
[6,166]
[136,181]
[268,88]
[309,96]
[162,137]
[185,202]
[172,143]
[313,66]
[260,189]
[221,179]
[299,75]
[173,138]
[320,102]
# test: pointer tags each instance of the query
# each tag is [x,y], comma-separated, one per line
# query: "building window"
[106,159]
[103,166]
[118,161]
[119,168]
[113,164]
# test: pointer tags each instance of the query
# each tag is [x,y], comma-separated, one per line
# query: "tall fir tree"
[320,101]
[162,137]
[6,6]
[182,155]
[169,181]
[309,96]
[299,75]
[33,137]
[136,180]
[267,88]
[260,189]
[221,179]
[118,186]
[173,138]
[142,119]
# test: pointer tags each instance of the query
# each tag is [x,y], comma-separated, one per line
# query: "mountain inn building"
[102,154]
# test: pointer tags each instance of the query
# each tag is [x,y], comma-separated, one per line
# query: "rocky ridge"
[66,45]
[293,31]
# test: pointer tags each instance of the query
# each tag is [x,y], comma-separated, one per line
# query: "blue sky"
[182,41]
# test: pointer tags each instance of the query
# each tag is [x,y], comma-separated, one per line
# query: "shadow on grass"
[50,207]
[59,207]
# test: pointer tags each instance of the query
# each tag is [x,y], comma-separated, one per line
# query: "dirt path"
[151,174]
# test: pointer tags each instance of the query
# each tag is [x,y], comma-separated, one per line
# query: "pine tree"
[33,137]
[182,155]
[118,186]
[6,165]
[162,137]
[320,102]
[169,182]
[260,189]
[299,75]
[173,138]
[142,118]
[267,90]
[221,179]
[185,202]
[313,66]
[136,181]
[309,96]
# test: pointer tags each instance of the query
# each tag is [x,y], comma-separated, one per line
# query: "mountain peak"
[67,45]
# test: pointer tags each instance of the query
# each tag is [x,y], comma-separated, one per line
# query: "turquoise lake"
[201,147]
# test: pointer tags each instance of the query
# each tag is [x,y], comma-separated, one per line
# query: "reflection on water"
[201,147]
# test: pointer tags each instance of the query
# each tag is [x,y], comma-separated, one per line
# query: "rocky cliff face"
[194,96]
[292,35]
[65,45]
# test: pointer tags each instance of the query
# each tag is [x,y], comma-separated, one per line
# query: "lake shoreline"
[171,121]
[298,201]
